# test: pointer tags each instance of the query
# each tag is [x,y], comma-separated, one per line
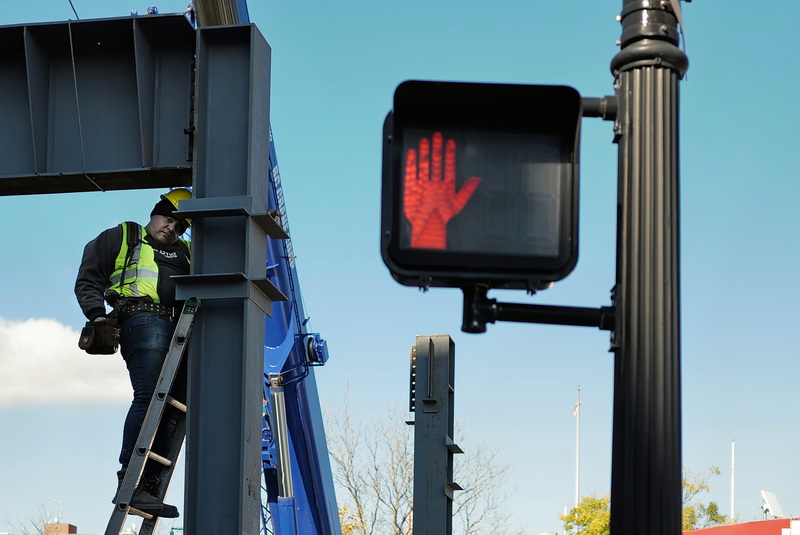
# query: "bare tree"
[374,467]
[479,507]
[345,444]
[33,525]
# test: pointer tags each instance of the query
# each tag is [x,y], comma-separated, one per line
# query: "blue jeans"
[145,339]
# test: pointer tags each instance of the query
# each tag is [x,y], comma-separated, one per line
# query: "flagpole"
[577,413]
[733,480]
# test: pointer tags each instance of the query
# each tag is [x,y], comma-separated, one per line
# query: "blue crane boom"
[303,497]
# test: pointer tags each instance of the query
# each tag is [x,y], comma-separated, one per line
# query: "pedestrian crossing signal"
[480,184]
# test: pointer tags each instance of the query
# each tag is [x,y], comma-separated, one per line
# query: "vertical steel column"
[646,457]
[230,228]
[433,432]
[221,12]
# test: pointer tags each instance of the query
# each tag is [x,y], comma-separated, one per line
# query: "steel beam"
[96,105]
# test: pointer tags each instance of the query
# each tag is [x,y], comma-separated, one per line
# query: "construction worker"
[189,13]
[151,10]
[129,268]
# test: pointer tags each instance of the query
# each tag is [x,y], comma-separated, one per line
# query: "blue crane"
[301,500]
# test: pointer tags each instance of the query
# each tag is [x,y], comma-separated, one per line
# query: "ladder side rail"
[144,443]
[168,404]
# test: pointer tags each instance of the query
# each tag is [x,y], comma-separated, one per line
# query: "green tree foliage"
[590,517]
[698,515]
[593,516]
[349,523]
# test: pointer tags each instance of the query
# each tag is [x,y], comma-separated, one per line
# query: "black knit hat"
[163,207]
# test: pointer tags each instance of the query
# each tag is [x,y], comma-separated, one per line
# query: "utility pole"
[646,456]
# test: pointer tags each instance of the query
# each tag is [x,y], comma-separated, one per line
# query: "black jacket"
[97,265]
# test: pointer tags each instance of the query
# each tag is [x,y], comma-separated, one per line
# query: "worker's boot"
[146,499]
[120,477]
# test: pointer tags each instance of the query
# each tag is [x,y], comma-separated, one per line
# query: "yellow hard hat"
[177,195]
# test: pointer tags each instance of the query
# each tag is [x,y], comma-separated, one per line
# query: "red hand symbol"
[430,201]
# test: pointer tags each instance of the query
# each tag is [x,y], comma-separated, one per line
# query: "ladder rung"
[159,458]
[137,512]
[177,404]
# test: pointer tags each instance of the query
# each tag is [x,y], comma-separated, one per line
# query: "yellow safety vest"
[135,270]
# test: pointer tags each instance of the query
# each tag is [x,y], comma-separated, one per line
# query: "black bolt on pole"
[646,454]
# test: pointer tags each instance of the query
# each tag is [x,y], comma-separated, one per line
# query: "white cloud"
[40,363]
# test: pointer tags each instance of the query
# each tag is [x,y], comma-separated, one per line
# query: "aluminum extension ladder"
[162,404]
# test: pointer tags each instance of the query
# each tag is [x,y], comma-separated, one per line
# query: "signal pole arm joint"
[480,310]
[604,107]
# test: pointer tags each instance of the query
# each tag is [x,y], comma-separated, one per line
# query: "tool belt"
[128,307]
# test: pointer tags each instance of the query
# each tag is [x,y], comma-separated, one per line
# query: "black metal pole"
[646,455]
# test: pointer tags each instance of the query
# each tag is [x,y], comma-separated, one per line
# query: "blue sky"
[334,70]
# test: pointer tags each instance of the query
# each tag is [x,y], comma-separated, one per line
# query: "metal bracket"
[234,206]
[480,310]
